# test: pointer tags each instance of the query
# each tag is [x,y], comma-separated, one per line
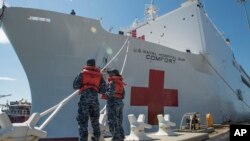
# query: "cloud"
[7,79]
[3,37]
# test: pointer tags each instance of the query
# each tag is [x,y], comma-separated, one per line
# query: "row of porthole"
[20,112]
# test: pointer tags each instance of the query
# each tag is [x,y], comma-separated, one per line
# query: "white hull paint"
[53,47]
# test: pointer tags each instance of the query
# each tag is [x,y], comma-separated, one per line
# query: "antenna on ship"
[151,11]
[243,2]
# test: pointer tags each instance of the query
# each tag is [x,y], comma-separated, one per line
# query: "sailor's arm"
[77,83]
[111,90]
[102,87]
[123,93]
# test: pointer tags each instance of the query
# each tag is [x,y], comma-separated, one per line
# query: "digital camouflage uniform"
[88,108]
[115,113]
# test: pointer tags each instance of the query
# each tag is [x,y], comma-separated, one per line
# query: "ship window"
[151,32]
[233,63]
[245,81]
[164,26]
[239,94]
[192,15]
[188,51]
[183,19]
[121,33]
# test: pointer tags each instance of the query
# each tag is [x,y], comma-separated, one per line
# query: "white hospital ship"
[175,63]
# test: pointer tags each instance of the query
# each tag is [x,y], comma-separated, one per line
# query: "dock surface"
[219,134]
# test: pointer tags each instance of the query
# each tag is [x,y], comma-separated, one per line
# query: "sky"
[228,16]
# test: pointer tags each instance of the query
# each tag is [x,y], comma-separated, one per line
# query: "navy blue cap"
[91,62]
[113,71]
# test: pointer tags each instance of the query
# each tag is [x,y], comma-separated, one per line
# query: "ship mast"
[243,2]
[151,11]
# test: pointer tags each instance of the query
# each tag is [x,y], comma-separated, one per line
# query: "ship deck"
[220,133]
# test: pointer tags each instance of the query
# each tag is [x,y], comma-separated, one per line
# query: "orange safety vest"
[91,78]
[118,87]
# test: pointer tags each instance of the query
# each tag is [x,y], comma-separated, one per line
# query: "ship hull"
[53,47]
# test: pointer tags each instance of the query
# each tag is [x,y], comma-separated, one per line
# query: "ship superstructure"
[18,111]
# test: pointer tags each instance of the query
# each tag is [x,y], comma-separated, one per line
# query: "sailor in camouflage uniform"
[90,82]
[114,95]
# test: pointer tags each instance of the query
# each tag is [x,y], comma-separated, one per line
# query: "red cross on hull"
[155,96]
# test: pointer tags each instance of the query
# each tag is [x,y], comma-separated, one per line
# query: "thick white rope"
[125,59]
[115,55]
[57,107]
[104,109]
